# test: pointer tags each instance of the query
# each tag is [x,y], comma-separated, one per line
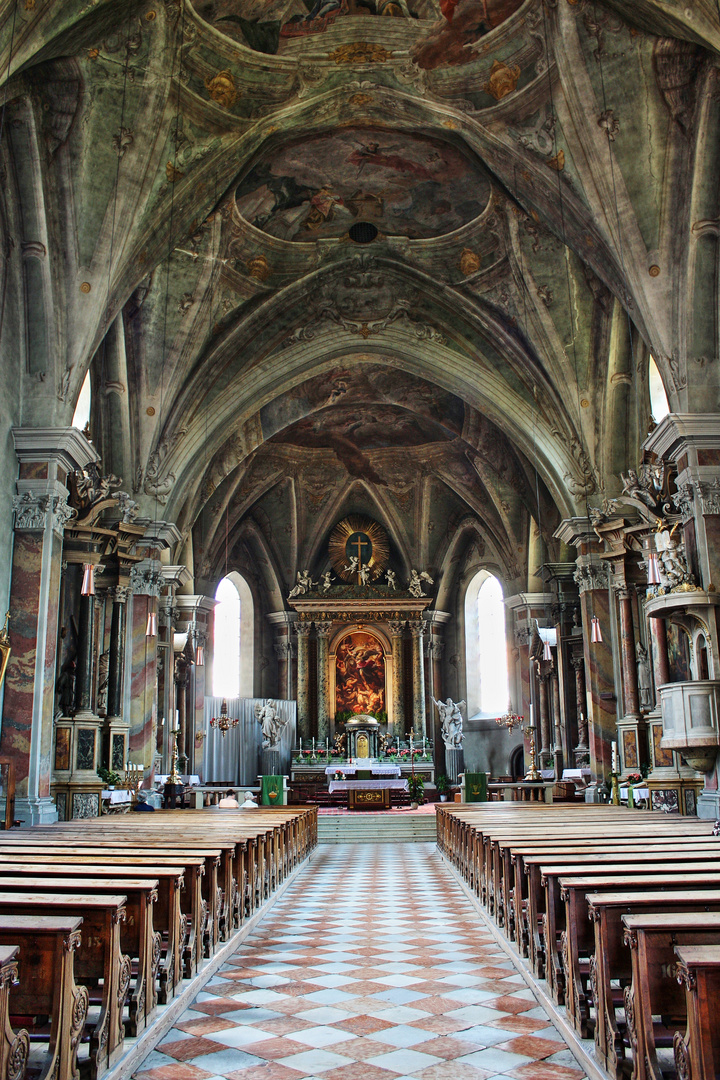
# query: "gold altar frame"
[373,630]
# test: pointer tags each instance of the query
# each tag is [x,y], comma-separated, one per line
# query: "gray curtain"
[235,759]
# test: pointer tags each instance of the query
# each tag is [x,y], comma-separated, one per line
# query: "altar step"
[367,828]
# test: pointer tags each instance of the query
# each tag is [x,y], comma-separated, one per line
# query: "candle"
[532,722]
[313,744]
[301,744]
[614,758]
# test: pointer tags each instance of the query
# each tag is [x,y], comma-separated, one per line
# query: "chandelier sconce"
[199,651]
[510,721]
[88,581]
[595,631]
[223,721]
[547,654]
[653,570]
[151,629]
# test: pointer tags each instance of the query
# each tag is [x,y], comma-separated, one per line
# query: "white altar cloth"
[351,770]
[367,785]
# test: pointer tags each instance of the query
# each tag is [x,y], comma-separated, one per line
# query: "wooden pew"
[167,911]
[545,910]
[611,959]
[47,984]
[697,1053]
[137,937]
[98,957]
[14,1045]
[654,991]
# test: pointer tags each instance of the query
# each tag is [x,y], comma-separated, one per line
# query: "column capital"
[323,628]
[33,511]
[591,575]
[417,629]
[397,629]
[146,579]
[302,629]
[119,594]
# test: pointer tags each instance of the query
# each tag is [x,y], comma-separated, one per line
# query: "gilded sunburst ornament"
[358,542]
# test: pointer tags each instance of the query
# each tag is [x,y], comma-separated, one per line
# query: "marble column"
[545,754]
[558,752]
[85,657]
[581,750]
[631,697]
[302,629]
[323,629]
[592,579]
[116,756]
[658,629]
[397,630]
[145,582]
[419,722]
[46,456]
[181,684]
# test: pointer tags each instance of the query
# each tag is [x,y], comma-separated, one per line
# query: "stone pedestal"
[454,763]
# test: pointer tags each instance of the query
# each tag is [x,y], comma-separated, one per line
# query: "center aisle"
[372,966]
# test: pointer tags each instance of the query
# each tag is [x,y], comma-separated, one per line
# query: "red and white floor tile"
[372,966]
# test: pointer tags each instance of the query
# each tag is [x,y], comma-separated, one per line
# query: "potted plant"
[442,786]
[110,778]
[416,789]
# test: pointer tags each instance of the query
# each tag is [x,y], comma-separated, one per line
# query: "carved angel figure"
[391,579]
[364,575]
[636,487]
[451,721]
[672,563]
[415,586]
[352,566]
[304,584]
[327,581]
[271,723]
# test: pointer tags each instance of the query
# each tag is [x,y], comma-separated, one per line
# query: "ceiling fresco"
[370,427]
[449,41]
[269,26]
[406,185]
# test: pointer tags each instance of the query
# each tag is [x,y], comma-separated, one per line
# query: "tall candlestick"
[614,757]
[301,744]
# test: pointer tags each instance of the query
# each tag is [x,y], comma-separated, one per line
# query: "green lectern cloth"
[475,787]
[272,791]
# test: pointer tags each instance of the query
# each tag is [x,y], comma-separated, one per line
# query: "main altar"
[360,648]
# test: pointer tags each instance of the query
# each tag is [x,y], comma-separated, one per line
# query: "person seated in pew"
[142,803]
[249,803]
[229,802]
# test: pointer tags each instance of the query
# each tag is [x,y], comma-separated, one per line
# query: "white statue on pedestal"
[415,587]
[451,719]
[391,580]
[327,581]
[271,723]
[364,575]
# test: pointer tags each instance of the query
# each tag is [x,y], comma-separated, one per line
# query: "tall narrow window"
[658,397]
[486,663]
[226,664]
[492,648]
[82,410]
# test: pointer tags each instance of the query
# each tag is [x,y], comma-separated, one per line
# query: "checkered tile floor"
[372,966]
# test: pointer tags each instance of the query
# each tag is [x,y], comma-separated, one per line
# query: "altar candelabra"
[223,721]
[175,777]
[533,775]
[134,775]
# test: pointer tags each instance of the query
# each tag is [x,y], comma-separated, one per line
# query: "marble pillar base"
[708,805]
[270,763]
[454,763]
[35,811]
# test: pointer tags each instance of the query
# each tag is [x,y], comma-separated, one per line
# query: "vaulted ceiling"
[354,255]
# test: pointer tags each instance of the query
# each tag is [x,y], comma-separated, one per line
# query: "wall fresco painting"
[404,184]
[360,675]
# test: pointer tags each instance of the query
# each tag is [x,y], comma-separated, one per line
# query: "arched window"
[233,652]
[658,398]
[82,410]
[488,691]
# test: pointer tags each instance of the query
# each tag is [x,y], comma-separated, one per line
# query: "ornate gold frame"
[375,533]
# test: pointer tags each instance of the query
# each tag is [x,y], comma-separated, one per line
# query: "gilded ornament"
[654,271]
[85,287]
[151,16]
[173,174]
[258,268]
[558,162]
[222,89]
[502,81]
[360,52]
[361,99]
[469,262]
[450,124]
[357,542]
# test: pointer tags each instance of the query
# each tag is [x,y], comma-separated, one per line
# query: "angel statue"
[451,722]
[352,566]
[304,584]
[391,579]
[364,575]
[415,587]
[327,581]
[271,723]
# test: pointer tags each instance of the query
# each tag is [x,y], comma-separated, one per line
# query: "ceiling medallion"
[359,549]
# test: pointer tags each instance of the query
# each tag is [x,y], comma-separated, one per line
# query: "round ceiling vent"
[362,232]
